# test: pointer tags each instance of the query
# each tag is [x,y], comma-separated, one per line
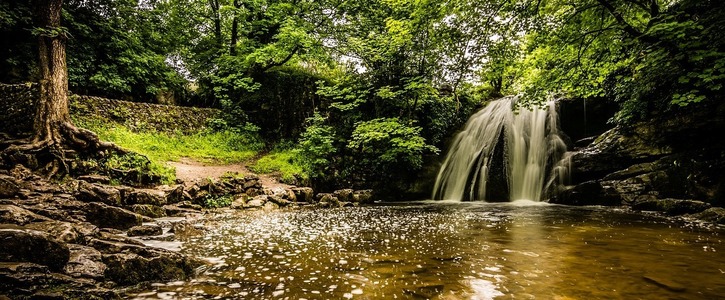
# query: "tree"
[53,132]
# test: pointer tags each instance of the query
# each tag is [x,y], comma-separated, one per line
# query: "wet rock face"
[131,268]
[85,262]
[145,230]
[657,165]
[673,206]
[103,215]
[23,245]
[90,192]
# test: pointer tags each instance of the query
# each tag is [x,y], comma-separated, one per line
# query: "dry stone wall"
[17,104]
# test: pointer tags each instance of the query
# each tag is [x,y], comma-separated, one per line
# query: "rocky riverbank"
[672,163]
[78,239]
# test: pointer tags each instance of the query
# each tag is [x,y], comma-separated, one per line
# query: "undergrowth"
[286,163]
[221,147]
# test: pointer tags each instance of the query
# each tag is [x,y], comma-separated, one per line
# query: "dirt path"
[191,171]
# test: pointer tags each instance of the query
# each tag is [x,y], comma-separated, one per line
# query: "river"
[449,250]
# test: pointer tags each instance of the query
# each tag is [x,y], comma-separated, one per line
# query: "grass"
[223,147]
[285,162]
[211,147]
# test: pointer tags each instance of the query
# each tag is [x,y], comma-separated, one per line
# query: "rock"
[256,202]
[95,178]
[85,262]
[672,206]
[303,194]
[253,192]
[156,265]
[152,197]
[145,230]
[174,194]
[24,245]
[344,195]
[12,214]
[239,202]
[328,198]
[8,187]
[64,231]
[185,228]
[714,215]
[103,215]
[347,204]
[89,192]
[148,210]
[32,281]
[363,196]
[176,210]
[269,205]
[279,201]
[588,193]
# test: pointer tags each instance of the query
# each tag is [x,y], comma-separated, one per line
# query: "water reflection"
[439,250]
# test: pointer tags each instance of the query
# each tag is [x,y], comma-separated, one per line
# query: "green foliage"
[316,146]
[138,169]
[228,146]
[211,201]
[285,163]
[384,141]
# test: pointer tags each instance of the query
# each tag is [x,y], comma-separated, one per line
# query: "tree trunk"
[52,109]
[214,4]
[235,29]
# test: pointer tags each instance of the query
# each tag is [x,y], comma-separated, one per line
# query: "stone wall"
[17,103]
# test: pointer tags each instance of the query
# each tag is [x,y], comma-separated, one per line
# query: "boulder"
[672,206]
[173,194]
[344,195]
[279,201]
[303,194]
[363,196]
[152,197]
[145,230]
[185,228]
[8,187]
[148,210]
[714,215]
[12,214]
[256,202]
[89,192]
[103,215]
[588,193]
[24,245]
[240,201]
[155,265]
[328,198]
[85,262]
[64,231]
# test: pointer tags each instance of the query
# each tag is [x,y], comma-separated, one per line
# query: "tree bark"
[214,4]
[235,29]
[52,111]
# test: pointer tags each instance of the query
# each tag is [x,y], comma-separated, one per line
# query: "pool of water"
[443,250]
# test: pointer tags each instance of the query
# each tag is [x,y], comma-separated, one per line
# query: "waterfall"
[504,154]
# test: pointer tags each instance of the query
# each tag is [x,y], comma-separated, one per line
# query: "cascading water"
[516,150]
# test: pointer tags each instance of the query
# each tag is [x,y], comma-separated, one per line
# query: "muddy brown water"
[443,250]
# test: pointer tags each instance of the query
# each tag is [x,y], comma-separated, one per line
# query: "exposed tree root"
[50,149]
